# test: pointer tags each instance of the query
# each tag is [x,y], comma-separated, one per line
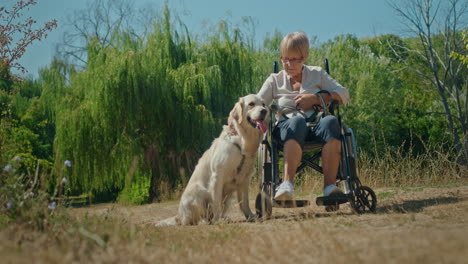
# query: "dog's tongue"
[261,125]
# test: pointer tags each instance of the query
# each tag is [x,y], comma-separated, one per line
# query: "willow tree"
[148,109]
[201,83]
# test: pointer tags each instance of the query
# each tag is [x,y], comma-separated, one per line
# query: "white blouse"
[278,87]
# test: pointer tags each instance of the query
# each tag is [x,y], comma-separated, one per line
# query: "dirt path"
[411,225]
[391,202]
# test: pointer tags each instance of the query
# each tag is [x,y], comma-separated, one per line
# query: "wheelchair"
[362,199]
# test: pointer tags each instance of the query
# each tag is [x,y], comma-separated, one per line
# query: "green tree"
[21,126]
[370,81]
[437,26]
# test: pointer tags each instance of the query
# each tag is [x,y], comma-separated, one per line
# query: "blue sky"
[324,19]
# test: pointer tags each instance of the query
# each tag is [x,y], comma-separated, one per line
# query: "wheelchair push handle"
[327,68]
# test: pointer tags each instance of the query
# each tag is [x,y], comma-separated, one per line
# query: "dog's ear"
[237,112]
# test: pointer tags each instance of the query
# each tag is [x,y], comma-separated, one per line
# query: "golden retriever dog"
[225,168]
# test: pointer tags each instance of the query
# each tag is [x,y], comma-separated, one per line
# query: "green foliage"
[25,129]
[462,57]
[370,81]
[135,192]
[386,46]
[22,197]
[272,43]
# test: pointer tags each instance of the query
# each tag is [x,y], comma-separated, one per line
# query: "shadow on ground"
[415,206]
[409,206]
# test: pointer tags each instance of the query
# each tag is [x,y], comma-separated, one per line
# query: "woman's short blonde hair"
[295,42]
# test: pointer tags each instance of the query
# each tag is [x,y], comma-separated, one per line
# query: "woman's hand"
[306,101]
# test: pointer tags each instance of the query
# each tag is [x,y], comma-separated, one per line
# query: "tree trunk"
[152,159]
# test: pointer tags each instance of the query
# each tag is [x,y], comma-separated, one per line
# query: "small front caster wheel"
[263,206]
[364,200]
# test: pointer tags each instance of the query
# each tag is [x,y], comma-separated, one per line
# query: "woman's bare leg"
[292,152]
[331,154]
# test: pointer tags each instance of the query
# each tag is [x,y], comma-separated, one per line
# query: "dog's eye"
[263,105]
[252,104]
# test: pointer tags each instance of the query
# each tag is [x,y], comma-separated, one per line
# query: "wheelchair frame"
[361,198]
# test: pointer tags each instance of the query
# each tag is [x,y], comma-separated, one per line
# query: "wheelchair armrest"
[334,105]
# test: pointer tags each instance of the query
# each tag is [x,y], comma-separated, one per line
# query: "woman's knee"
[294,128]
[329,128]
[298,123]
[330,123]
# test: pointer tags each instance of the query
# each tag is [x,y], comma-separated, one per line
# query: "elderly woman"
[295,87]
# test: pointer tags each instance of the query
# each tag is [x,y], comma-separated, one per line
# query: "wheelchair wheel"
[263,161]
[263,202]
[263,206]
[364,200]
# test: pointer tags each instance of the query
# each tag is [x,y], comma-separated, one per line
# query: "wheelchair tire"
[264,166]
[364,200]
[263,206]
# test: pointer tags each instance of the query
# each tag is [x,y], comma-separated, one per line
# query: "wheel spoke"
[366,201]
[359,204]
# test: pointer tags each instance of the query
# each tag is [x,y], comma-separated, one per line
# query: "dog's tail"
[197,208]
[194,208]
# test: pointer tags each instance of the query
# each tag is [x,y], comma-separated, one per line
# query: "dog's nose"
[263,112]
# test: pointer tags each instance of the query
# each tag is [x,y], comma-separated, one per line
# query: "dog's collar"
[239,168]
[238,146]
[233,132]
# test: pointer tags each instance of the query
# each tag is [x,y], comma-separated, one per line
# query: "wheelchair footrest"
[333,199]
[290,203]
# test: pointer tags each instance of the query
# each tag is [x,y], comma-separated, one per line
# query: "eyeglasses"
[291,61]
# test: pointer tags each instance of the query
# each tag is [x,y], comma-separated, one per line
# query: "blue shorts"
[296,128]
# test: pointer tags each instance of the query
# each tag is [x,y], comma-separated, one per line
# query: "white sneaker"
[284,191]
[331,189]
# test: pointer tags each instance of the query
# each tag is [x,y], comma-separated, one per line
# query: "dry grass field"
[412,225]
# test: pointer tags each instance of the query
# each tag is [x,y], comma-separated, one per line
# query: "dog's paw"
[227,220]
